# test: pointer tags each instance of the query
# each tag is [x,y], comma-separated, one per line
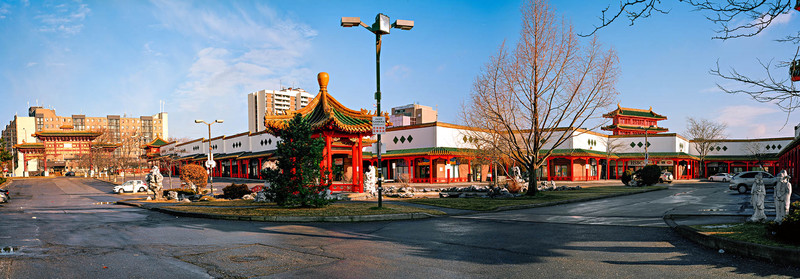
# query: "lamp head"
[218,120]
[198,121]
[403,24]
[350,21]
[382,24]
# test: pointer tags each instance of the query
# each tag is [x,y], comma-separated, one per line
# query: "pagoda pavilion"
[630,121]
[343,131]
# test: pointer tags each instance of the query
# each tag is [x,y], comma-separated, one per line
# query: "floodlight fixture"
[350,21]
[382,24]
[403,24]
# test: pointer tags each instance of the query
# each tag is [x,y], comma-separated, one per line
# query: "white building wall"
[739,147]
[237,144]
[658,143]
[587,141]
[193,148]
[218,146]
[263,142]
[421,138]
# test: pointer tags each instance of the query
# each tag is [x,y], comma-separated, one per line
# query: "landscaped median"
[745,239]
[253,211]
[544,198]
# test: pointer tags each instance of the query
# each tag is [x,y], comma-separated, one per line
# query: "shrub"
[180,191]
[789,229]
[235,191]
[194,174]
[2,180]
[649,174]
[626,177]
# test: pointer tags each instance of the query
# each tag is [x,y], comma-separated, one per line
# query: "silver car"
[132,186]
[743,181]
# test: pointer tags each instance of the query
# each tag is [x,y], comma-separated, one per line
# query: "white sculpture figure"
[154,179]
[369,181]
[783,191]
[757,199]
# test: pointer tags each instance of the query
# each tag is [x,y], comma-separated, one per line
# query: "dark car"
[70,173]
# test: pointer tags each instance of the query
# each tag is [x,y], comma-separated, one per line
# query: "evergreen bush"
[626,177]
[649,174]
[297,180]
[235,191]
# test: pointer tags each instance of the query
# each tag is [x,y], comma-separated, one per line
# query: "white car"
[132,186]
[724,177]
[743,181]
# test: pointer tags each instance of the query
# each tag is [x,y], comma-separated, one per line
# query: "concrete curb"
[769,253]
[526,206]
[297,219]
[6,183]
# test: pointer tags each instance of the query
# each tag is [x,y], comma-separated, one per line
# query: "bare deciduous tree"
[757,152]
[736,18]
[549,80]
[705,135]
[612,145]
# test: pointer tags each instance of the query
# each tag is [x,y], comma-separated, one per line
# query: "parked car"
[743,181]
[666,177]
[70,173]
[132,186]
[4,196]
[723,176]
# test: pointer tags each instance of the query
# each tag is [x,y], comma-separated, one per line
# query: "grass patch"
[250,208]
[485,204]
[745,232]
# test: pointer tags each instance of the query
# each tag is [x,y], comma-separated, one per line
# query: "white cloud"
[31,64]
[4,10]
[751,121]
[66,18]
[148,50]
[240,55]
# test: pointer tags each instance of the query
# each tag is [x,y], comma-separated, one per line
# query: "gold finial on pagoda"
[323,78]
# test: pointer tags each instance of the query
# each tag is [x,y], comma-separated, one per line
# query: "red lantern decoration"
[797,6]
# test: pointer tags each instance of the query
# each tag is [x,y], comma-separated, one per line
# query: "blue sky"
[203,57]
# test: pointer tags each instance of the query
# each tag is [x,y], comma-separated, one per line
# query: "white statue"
[154,179]
[370,181]
[757,199]
[783,191]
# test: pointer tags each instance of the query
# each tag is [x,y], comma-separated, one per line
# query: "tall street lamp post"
[210,164]
[381,27]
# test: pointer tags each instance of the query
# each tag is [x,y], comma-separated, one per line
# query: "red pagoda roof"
[631,127]
[158,142]
[620,111]
[325,111]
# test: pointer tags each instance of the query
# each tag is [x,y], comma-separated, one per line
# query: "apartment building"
[274,102]
[412,114]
